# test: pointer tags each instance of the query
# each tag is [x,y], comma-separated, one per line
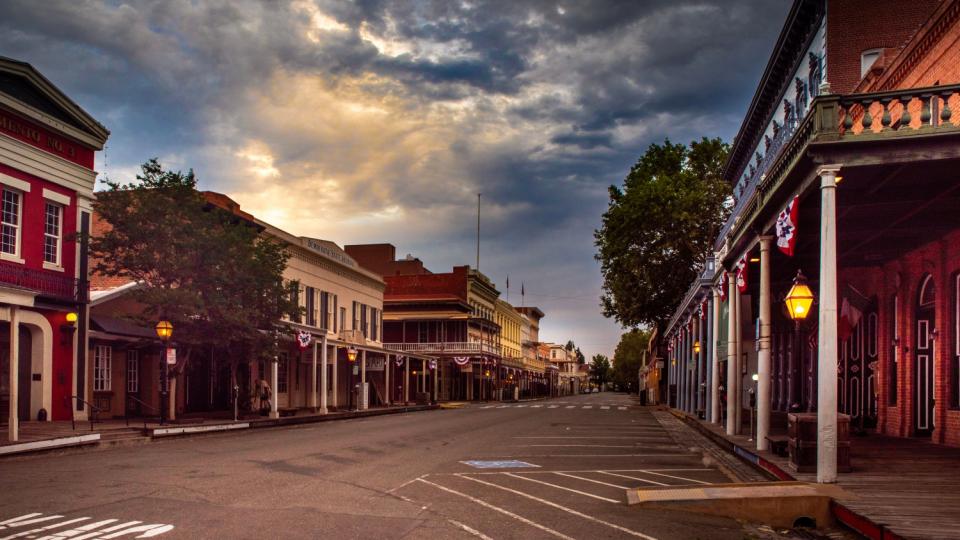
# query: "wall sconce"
[68,327]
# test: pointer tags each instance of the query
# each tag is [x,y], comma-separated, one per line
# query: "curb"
[30,447]
[851,519]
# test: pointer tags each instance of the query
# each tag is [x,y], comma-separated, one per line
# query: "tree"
[659,228]
[627,358]
[581,359]
[600,369]
[570,346]
[211,274]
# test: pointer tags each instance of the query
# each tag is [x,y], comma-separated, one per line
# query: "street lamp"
[799,298]
[696,347]
[164,331]
[352,357]
[798,301]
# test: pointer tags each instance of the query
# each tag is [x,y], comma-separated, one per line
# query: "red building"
[47,145]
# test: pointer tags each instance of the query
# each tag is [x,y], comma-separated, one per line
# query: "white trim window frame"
[133,371]
[11,223]
[102,360]
[52,235]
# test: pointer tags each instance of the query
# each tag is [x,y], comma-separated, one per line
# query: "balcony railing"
[44,283]
[909,110]
[449,347]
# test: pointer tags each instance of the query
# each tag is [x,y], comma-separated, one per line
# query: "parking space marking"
[577,437]
[575,446]
[590,480]
[469,529]
[552,406]
[621,408]
[503,511]
[634,478]
[83,532]
[578,492]
[604,406]
[678,478]
[536,406]
[587,407]
[565,509]
[571,406]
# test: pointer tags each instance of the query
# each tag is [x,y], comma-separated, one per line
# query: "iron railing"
[92,416]
[451,347]
[44,282]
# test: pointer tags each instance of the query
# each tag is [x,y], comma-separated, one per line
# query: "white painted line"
[31,521]
[519,406]
[565,509]
[574,446]
[153,529]
[634,478]
[574,471]
[604,406]
[571,406]
[18,518]
[503,406]
[498,509]
[579,437]
[199,429]
[578,492]
[602,455]
[678,478]
[536,406]
[587,407]
[470,530]
[591,480]
[405,484]
[72,533]
[49,443]
[32,532]
[621,408]
[488,406]
[552,406]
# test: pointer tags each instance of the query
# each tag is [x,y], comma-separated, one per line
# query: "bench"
[778,444]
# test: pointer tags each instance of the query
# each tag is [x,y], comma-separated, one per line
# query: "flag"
[723,287]
[703,309]
[742,275]
[787,227]
[851,311]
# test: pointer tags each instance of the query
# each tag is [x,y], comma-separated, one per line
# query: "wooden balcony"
[446,347]
[45,283]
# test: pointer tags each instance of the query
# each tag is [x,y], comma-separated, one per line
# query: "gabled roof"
[38,98]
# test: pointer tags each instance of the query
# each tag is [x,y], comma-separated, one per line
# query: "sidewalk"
[899,487]
[43,436]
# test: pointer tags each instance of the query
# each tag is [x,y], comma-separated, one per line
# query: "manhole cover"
[502,464]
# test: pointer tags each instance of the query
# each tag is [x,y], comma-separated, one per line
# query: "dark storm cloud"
[413,106]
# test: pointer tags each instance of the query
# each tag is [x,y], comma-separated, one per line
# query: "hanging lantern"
[799,299]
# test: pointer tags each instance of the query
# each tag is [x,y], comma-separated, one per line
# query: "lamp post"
[352,357]
[798,301]
[164,330]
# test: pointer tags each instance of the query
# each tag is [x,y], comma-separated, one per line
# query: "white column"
[827,351]
[731,357]
[13,429]
[436,382]
[387,368]
[313,378]
[406,380]
[763,356]
[274,367]
[323,375]
[363,381]
[738,360]
[336,379]
[715,358]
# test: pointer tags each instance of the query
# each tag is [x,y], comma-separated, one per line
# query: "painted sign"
[171,356]
[375,363]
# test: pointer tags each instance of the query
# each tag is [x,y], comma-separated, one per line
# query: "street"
[397,476]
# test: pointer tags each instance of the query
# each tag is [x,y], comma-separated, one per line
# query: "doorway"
[923,368]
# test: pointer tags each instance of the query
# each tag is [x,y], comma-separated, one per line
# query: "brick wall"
[941,259]
[854,26]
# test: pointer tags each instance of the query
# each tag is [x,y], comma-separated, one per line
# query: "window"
[325,310]
[10,222]
[52,229]
[282,373]
[553,355]
[374,327]
[102,357]
[295,300]
[895,352]
[364,324]
[343,317]
[955,360]
[311,306]
[133,371]
[423,332]
[867,59]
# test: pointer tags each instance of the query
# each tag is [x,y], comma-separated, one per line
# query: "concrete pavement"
[399,476]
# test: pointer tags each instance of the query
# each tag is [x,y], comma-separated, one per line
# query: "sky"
[380,121]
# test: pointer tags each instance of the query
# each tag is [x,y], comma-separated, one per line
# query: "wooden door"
[923,368]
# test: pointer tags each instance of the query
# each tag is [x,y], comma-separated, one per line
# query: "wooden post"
[827,349]
[323,375]
[763,357]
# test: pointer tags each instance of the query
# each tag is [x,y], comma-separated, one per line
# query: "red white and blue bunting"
[461,360]
[433,364]
[304,339]
[787,227]
[742,275]
[399,360]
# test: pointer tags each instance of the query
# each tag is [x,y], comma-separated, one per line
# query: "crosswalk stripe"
[621,408]
[571,406]
[588,406]
[552,407]
[605,407]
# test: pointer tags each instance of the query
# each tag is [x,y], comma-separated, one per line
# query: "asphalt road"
[397,476]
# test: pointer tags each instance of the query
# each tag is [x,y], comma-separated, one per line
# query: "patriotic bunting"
[461,360]
[742,275]
[703,309]
[304,339]
[724,283]
[787,227]
[399,360]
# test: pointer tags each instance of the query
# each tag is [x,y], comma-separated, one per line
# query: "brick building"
[845,168]
[47,147]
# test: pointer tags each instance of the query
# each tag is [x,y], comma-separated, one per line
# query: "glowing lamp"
[696,347]
[72,318]
[799,299]
[164,330]
[352,354]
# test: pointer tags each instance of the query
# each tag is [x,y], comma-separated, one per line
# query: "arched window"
[867,59]
[928,292]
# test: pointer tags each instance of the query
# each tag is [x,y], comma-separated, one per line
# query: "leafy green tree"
[600,370]
[581,359]
[627,358]
[210,273]
[659,228]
